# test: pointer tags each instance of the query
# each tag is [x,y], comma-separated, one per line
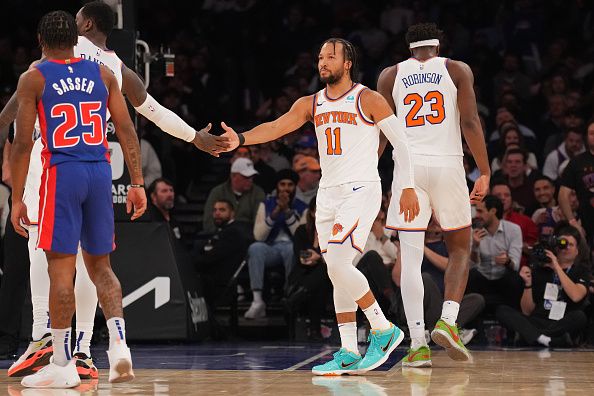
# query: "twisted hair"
[423,31]
[350,54]
[101,14]
[57,30]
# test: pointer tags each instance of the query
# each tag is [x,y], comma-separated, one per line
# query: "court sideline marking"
[309,360]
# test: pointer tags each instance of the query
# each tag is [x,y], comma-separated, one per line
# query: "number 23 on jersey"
[435,100]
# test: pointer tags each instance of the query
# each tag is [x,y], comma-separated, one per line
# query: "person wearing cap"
[307,145]
[277,219]
[239,190]
[309,172]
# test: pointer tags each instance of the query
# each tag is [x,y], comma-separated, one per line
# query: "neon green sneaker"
[344,362]
[447,336]
[420,357]
[382,343]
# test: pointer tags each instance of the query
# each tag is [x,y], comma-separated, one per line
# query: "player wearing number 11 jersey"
[434,100]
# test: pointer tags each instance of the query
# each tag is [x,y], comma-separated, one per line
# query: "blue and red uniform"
[75,196]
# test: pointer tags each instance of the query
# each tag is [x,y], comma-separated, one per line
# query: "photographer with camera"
[555,288]
[495,255]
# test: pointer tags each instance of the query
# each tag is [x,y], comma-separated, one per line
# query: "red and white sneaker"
[53,376]
[120,363]
[85,367]
[36,356]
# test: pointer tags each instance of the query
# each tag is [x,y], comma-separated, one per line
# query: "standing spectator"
[495,255]
[579,176]
[551,304]
[239,190]
[276,221]
[572,145]
[529,230]
[309,172]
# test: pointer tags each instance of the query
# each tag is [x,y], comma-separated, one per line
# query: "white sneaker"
[466,335]
[37,355]
[53,376]
[257,310]
[120,364]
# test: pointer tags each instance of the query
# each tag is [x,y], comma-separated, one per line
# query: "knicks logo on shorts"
[336,229]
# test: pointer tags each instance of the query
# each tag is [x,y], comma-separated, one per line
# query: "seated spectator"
[435,261]
[217,258]
[162,201]
[276,221]
[503,116]
[307,145]
[239,190]
[549,214]
[511,138]
[308,287]
[552,302]
[309,172]
[271,156]
[529,230]
[495,255]
[519,177]
[573,144]
[571,120]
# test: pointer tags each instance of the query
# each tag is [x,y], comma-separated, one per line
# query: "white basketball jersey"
[427,106]
[347,140]
[87,50]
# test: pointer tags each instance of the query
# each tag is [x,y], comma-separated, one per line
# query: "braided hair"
[57,30]
[101,14]
[423,31]
[349,53]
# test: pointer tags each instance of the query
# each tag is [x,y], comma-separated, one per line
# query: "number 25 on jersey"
[88,118]
[435,100]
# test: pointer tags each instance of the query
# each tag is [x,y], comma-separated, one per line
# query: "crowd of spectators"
[247,61]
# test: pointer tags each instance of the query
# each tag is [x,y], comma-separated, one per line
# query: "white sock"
[449,312]
[84,333]
[376,317]
[544,340]
[258,296]
[348,336]
[41,323]
[117,331]
[61,342]
[417,334]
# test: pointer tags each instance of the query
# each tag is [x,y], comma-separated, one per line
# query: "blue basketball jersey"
[72,112]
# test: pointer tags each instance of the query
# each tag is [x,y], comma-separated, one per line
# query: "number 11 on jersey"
[333,141]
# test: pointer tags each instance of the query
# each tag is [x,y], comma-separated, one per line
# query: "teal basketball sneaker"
[344,362]
[382,343]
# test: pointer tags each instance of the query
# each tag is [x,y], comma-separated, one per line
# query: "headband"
[424,43]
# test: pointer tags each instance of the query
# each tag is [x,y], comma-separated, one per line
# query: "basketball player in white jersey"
[347,118]
[94,22]
[435,102]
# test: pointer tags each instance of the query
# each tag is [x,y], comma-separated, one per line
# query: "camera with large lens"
[538,256]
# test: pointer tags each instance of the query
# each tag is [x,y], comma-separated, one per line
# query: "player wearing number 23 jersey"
[72,119]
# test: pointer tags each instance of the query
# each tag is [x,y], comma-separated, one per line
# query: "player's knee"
[459,257]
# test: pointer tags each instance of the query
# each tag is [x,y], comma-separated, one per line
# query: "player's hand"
[207,142]
[231,136]
[136,200]
[481,188]
[18,216]
[409,204]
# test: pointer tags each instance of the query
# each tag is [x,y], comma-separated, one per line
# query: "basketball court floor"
[284,369]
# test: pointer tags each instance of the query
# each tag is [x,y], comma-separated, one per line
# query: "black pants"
[13,289]
[506,290]
[531,327]
[471,305]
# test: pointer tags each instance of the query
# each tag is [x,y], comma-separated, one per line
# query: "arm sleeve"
[166,119]
[397,137]
[262,225]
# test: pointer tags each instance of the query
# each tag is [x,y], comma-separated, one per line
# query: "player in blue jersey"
[71,97]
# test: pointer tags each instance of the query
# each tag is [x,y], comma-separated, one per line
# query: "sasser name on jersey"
[73,84]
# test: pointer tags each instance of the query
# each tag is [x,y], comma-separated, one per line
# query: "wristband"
[241,139]
[136,185]
[527,287]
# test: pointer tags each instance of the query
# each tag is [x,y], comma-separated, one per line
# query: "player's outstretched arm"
[471,126]
[385,84]
[299,114]
[28,93]
[167,120]
[129,141]
[374,105]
